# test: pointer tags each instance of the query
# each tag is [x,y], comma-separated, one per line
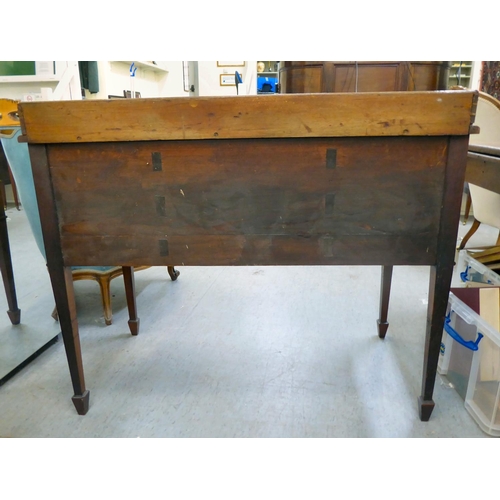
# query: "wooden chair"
[103,277]
[485,203]
[18,157]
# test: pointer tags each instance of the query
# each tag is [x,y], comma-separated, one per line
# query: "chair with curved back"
[485,203]
[19,161]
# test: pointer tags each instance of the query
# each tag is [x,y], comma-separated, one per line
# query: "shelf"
[28,79]
[144,65]
[268,76]
[460,73]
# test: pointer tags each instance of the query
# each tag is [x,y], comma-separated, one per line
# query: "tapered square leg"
[15,316]
[441,273]
[61,276]
[425,409]
[82,403]
[385,292]
[14,312]
[382,328]
[129,281]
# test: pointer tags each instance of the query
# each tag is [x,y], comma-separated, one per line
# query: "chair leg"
[104,284]
[129,282]
[468,203]
[173,273]
[472,230]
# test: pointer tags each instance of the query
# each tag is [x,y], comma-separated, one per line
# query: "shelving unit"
[271,68]
[145,65]
[271,72]
[29,79]
[460,73]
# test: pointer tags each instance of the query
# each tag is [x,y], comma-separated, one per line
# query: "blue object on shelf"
[266,84]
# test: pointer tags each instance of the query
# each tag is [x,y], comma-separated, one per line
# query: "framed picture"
[227,80]
[223,64]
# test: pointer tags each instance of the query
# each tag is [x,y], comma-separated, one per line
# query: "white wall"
[164,81]
[209,79]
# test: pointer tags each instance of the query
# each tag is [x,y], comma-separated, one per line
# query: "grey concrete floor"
[229,352]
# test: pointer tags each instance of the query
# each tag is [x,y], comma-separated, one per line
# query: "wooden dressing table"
[287,179]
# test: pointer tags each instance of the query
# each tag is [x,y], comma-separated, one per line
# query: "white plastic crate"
[469,271]
[458,343]
[470,360]
[483,393]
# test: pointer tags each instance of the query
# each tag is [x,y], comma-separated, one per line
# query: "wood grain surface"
[250,202]
[226,117]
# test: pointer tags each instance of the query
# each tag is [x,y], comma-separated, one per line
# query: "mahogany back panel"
[250,202]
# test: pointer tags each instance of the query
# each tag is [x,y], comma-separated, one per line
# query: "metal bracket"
[156,158]
[331,158]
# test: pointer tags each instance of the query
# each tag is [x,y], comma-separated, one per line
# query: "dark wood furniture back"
[324,179]
[366,178]
[250,202]
[362,76]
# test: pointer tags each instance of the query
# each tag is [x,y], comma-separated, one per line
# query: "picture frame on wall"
[227,80]
[223,64]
